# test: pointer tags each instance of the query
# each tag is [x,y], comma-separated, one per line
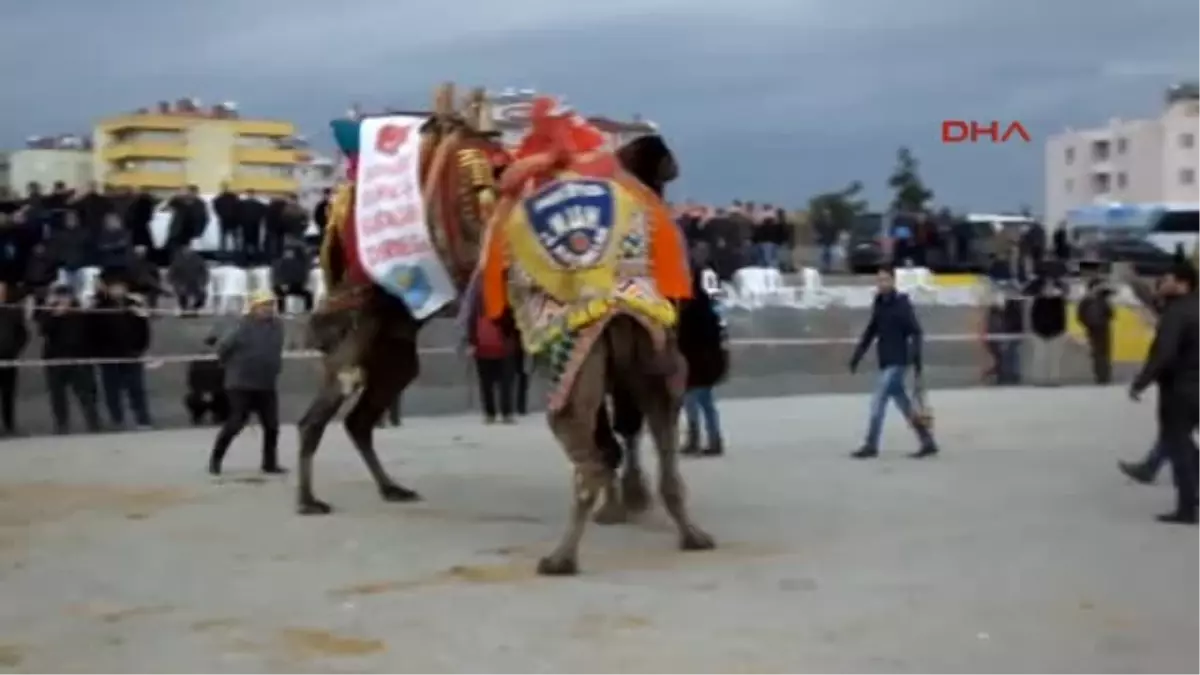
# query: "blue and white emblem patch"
[573,220]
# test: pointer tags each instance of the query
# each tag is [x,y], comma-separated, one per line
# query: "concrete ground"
[1019,550]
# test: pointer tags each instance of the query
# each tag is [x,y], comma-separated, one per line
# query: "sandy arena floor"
[1020,549]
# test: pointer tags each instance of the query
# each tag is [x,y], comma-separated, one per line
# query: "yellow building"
[167,149]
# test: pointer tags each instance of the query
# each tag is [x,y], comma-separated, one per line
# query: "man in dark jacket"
[92,209]
[702,342]
[321,217]
[227,206]
[1047,294]
[252,212]
[1174,365]
[206,389]
[897,332]
[188,276]
[137,218]
[1095,314]
[114,246]
[122,333]
[252,355]
[13,337]
[41,272]
[67,333]
[71,249]
[189,218]
[274,227]
[289,276]
[16,242]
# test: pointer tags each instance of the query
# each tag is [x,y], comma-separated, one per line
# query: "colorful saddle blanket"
[578,252]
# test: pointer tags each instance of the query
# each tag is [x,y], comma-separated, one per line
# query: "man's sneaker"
[865,452]
[925,451]
[274,470]
[1137,472]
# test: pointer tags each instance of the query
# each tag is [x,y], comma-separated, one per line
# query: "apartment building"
[1127,161]
[165,149]
[46,160]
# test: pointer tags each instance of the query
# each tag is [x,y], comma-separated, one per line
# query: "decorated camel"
[403,237]
[589,262]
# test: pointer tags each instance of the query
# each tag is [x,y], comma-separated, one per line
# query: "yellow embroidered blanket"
[577,254]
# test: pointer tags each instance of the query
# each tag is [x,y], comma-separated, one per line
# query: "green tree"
[911,193]
[830,213]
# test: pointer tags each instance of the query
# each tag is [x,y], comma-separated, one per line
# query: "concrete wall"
[446,384]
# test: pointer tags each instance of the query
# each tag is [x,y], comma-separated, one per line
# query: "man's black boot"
[927,450]
[1184,517]
[1137,472]
[716,448]
[865,452]
[691,446]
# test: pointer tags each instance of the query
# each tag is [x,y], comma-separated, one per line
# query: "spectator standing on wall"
[41,272]
[188,276]
[189,218]
[144,277]
[274,227]
[92,209]
[293,221]
[227,206]
[252,356]
[16,241]
[897,332]
[67,333]
[252,214]
[137,219]
[14,335]
[1095,313]
[122,332]
[1047,294]
[114,246]
[289,276]
[320,217]
[71,249]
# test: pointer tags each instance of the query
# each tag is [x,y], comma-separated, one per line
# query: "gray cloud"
[764,99]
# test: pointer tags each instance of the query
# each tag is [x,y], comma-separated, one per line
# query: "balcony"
[275,156]
[143,150]
[275,184]
[272,128]
[146,180]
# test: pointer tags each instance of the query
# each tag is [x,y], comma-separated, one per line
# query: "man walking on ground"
[122,332]
[1048,324]
[1174,365]
[897,332]
[252,355]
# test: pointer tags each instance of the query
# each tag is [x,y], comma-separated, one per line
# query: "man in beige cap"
[252,354]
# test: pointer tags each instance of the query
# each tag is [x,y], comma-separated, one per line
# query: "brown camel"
[621,338]
[368,337]
[625,357]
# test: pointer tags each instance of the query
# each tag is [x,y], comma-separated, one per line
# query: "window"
[1122,180]
[1179,222]
[149,136]
[269,170]
[1101,183]
[1069,155]
[152,165]
[1187,176]
[1122,146]
[1101,151]
[1187,141]
[1069,185]
[257,141]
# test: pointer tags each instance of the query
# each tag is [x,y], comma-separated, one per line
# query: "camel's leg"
[391,367]
[311,427]
[612,507]
[661,407]
[627,423]
[574,427]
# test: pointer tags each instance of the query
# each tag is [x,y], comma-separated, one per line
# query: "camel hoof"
[553,566]
[313,507]
[611,513]
[697,540]
[397,493]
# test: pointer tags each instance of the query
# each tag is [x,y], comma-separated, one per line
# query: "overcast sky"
[770,100]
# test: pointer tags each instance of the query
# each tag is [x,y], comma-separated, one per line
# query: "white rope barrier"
[310,354]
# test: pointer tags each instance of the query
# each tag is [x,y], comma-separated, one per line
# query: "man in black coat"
[66,336]
[702,342]
[1174,365]
[122,334]
[227,207]
[14,334]
[252,214]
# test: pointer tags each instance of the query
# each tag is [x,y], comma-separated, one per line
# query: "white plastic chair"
[260,279]
[812,288]
[751,285]
[89,278]
[230,288]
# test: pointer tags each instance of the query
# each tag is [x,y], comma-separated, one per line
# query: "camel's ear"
[443,100]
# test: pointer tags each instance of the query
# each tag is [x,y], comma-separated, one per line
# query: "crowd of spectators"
[739,235]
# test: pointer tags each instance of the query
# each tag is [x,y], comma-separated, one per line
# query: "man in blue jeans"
[897,334]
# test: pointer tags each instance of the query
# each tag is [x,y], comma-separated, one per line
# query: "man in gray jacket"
[252,355]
